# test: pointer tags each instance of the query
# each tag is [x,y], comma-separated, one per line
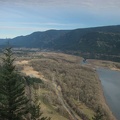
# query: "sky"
[22,17]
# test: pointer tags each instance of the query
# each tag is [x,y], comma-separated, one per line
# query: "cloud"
[48,24]
[53,3]
[34,25]
[32,15]
[91,6]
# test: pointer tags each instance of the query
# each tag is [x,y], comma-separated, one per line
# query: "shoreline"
[105,103]
[104,98]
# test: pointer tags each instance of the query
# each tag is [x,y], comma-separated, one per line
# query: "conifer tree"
[35,110]
[12,90]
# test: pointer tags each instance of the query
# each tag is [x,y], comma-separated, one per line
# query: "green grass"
[89,112]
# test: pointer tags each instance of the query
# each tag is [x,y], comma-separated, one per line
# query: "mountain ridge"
[99,41]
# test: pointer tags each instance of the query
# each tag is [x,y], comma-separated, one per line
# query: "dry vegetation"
[70,90]
[78,85]
[107,64]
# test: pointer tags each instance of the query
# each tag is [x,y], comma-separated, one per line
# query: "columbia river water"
[111,87]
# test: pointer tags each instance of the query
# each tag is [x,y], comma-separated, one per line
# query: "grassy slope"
[79,85]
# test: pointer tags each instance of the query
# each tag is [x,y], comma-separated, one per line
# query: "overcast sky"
[22,17]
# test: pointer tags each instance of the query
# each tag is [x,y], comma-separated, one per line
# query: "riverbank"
[110,81]
[105,64]
[79,84]
[96,65]
[109,75]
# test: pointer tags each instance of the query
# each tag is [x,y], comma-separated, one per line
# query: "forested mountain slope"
[98,42]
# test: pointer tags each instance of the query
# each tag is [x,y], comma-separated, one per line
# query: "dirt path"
[63,102]
[29,71]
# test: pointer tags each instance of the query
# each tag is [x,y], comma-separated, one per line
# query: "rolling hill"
[38,39]
[98,42]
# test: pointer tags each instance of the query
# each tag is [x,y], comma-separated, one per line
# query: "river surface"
[111,86]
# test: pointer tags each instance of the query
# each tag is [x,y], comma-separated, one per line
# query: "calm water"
[111,86]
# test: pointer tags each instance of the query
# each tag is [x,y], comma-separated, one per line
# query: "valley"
[70,89]
[91,43]
[60,60]
[52,65]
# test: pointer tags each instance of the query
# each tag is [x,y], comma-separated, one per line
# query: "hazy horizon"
[55,29]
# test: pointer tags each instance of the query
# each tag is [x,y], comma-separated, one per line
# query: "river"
[111,87]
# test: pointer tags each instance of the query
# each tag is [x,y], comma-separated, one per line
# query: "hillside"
[99,42]
[41,40]
[73,38]
[3,42]
[69,90]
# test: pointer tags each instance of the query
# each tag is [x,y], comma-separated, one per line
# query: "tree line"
[14,103]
